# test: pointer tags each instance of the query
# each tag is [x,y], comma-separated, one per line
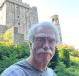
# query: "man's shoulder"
[51,72]
[10,71]
[13,70]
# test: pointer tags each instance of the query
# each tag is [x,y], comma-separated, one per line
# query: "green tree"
[54,60]
[66,57]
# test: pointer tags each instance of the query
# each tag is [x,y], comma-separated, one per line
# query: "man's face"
[43,48]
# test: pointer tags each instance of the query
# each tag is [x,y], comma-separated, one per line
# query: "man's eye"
[40,39]
[52,41]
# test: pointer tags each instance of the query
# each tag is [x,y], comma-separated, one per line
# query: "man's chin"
[45,62]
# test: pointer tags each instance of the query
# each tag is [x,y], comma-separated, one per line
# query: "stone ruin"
[55,20]
[16,17]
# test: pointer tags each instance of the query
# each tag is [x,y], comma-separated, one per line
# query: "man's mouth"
[45,55]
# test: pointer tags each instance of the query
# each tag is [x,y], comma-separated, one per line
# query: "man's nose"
[46,45]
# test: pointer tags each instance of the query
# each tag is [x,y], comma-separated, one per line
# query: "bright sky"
[68,11]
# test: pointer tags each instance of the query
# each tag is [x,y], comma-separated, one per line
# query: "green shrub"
[66,57]
[61,70]
[54,60]
[12,54]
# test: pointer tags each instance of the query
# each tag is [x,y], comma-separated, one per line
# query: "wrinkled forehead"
[45,33]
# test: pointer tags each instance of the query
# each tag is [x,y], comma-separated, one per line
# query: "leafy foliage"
[6,38]
[54,60]
[64,62]
[61,70]
[12,54]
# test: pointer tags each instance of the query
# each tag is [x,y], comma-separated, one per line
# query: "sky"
[68,11]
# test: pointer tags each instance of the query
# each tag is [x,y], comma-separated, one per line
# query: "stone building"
[18,17]
[55,20]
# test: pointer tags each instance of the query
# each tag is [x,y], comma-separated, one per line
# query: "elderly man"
[43,37]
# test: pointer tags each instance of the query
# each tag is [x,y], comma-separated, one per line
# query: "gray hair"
[36,27]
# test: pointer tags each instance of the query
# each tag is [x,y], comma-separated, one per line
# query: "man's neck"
[39,66]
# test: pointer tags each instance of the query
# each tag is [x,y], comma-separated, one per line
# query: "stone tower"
[55,20]
[18,16]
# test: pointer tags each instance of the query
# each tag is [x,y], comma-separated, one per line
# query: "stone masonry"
[18,16]
[55,20]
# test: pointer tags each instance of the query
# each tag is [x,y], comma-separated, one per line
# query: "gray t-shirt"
[23,68]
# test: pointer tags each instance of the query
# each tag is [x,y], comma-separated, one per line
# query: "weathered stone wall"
[18,15]
[2,29]
[33,15]
[17,37]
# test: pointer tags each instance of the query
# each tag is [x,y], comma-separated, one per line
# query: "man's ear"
[30,45]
